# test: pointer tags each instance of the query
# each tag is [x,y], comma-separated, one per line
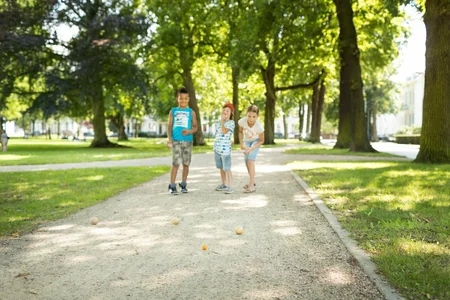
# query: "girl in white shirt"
[251,137]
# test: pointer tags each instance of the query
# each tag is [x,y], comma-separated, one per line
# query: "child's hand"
[169,144]
[224,117]
[185,132]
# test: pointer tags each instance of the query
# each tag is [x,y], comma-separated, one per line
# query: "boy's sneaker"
[228,190]
[183,188]
[173,190]
[220,187]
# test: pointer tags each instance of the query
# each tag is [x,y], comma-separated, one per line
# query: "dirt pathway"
[287,251]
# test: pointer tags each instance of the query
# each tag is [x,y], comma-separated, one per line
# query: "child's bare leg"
[228,178]
[248,170]
[185,173]
[173,173]
[223,176]
[251,172]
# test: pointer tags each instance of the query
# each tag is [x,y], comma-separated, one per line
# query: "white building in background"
[292,122]
[410,104]
[411,99]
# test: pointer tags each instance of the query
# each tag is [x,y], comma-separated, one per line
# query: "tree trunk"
[301,119]
[119,123]
[285,131]
[98,108]
[269,116]
[317,109]
[189,85]
[308,121]
[351,86]
[94,84]
[235,73]
[344,128]
[435,135]
[121,135]
[320,106]
[315,134]
[374,123]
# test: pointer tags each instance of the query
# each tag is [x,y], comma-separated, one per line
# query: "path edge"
[352,246]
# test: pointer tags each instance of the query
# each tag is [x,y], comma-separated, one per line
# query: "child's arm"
[169,130]
[194,125]
[261,141]
[224,129]
[241,137]
[194,122]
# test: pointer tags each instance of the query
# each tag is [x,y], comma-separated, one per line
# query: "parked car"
[278,135]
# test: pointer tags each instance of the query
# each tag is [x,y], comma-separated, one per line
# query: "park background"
[124,61]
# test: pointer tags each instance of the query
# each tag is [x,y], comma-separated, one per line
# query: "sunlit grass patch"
[41,151]
[31,198]
[319,149]
[9,157]
[399,212]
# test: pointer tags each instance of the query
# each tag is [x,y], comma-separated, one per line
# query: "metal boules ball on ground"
[239,230]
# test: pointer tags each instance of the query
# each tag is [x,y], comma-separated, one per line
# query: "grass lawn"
[399,212]
[41,151]
[35,151]
[319,149]
[28,199]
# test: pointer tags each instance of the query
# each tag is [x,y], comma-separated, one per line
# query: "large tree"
[180,27]
[98,56]
[22,57]
[351,86]
[435,135]
[282,31]
[368,42]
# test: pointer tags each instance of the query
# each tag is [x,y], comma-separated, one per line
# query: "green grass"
[399,212]
[29,199]
[41,151]
[319,149]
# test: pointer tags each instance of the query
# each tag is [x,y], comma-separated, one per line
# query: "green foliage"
[409,130]
[380,92]
[22,44]
[105,47]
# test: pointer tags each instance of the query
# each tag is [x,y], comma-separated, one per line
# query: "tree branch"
[301,85]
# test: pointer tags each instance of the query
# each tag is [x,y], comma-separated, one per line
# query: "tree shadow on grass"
[399,214]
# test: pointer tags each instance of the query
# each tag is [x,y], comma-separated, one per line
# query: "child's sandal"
[247,191]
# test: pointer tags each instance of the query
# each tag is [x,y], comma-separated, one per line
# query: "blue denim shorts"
[252,155]
[223,161]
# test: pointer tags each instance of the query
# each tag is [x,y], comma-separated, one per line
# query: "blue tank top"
[181,119]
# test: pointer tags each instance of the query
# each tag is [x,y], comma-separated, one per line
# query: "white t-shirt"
[222,142]
[250,133]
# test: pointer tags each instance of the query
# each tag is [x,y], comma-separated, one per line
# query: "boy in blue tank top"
[182,125]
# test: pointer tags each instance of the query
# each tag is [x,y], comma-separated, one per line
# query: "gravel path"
[287,251]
